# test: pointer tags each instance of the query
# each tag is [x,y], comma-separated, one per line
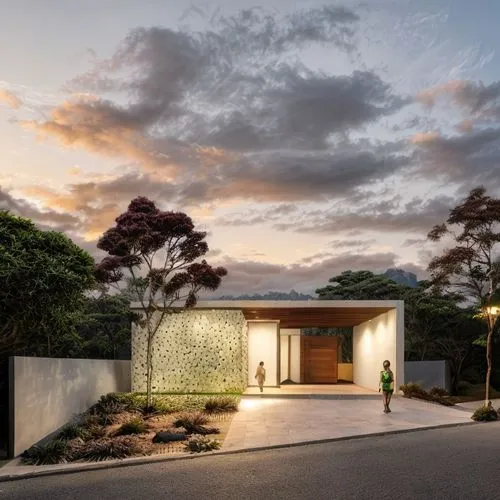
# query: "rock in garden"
[167,437]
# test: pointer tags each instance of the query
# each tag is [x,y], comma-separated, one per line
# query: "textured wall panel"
[194,351]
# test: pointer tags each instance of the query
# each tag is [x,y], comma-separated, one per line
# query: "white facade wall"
[375,341]
[263,345]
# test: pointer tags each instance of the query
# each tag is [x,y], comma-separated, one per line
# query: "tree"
[105,327]
[159,250]
[471,266]
[360,285]
[43,278]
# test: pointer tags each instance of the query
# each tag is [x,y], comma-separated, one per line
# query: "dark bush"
[109,404]
[221,404]
[134,426]
[194,423]
[110,449]
[413,390]
[73,431]
[53,452]
[438,392]
[485,414]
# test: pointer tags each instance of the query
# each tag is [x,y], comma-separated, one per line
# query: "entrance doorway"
[318,360]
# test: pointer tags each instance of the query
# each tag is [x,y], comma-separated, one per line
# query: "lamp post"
[491,312]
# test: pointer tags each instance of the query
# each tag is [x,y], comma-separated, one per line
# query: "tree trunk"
[149,372]
[488,361]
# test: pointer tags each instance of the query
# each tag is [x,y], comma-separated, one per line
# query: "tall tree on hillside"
[159,250]
[471,266]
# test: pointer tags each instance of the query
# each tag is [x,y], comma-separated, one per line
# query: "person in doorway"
[260,375]
[386,384]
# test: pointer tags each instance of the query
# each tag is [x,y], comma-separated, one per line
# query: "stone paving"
[271,421]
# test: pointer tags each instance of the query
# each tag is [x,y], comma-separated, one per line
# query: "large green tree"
[470,265]
[43,278]
[105,327]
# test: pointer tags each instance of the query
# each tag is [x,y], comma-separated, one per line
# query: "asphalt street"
[452,463]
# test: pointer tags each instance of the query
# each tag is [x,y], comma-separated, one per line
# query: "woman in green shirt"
[386,384]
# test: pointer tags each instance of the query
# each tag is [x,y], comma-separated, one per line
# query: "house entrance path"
[274,421]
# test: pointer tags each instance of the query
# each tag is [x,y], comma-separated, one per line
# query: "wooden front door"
[318,360]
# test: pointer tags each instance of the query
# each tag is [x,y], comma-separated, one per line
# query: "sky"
[307,138]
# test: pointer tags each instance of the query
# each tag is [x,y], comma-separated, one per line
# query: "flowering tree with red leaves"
[472,265]
[160,251]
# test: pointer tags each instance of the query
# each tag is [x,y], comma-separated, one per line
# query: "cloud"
[416,216]
[10,99]
[253,277]
[46,219]
[231,113]
[467,159]
[473,97]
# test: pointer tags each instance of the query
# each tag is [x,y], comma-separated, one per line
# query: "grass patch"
[474,392]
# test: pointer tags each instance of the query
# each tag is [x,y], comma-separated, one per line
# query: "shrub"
[109,404]
[134,426]
[110,449]
[438,392]
[194,423]
[198,444]
[411,390]
[72,431]
[485,414]
[53,452]
[221,404]
[95,432]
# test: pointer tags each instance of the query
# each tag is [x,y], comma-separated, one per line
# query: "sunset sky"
[307,138]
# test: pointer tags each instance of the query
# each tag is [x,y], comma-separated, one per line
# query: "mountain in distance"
[293,295]
[402,277]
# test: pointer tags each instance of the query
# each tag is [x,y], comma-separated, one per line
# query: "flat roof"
[304,313]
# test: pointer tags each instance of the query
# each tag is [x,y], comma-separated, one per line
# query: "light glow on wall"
[263,346]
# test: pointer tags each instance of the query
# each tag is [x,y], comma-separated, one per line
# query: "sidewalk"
[275,422]
[272,422]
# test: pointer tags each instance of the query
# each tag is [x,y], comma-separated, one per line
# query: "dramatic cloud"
[250,277]
[415,216]
[475,98]
[10,99]
[46,219]
[468,159]
[230,113]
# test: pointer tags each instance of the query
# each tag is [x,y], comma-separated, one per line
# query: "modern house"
[217,345]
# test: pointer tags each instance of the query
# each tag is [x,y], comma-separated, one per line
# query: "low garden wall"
[428,374]
[45,393]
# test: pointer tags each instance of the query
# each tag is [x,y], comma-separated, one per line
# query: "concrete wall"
[46,393]
[263,345]
[428,374]
[194,351]
[374,341]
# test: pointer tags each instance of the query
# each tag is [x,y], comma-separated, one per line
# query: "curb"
[130,462]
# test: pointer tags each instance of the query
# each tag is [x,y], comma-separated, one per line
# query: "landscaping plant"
[134,426]
[221,404]
[53,452]
[194,423]
[198,444]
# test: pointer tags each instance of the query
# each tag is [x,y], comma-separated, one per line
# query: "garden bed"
[123,425]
